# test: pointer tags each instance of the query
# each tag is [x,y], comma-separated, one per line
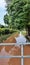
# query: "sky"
[2,11]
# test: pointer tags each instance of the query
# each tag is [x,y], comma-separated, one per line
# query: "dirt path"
[11,39]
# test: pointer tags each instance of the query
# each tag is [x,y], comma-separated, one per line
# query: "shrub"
[0,31]
[12,31]
[6,31]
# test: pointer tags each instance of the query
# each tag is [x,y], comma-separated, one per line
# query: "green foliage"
[0,31]
[4,37]
[19,12]
[2,26]
[4,31]
[6,19]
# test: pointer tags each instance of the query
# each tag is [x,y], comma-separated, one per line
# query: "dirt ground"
[13,50]
[11,39]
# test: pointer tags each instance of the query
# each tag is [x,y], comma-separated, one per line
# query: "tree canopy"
[19,12]
[6,19]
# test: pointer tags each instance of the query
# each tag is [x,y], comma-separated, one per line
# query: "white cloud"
[2,3]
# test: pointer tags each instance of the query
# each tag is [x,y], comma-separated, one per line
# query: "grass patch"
[4,37]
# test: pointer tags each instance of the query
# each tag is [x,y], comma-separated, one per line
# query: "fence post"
[22,60]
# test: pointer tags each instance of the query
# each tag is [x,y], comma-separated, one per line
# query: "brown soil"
[13,50]
[11,39]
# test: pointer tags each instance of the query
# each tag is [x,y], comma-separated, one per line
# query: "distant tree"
[1,26]
[6,19]
[7,1]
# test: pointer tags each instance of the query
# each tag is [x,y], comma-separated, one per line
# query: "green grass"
[4,37]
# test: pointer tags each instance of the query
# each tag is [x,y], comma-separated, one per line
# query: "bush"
[6,31]
[12,31]
[0,31]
